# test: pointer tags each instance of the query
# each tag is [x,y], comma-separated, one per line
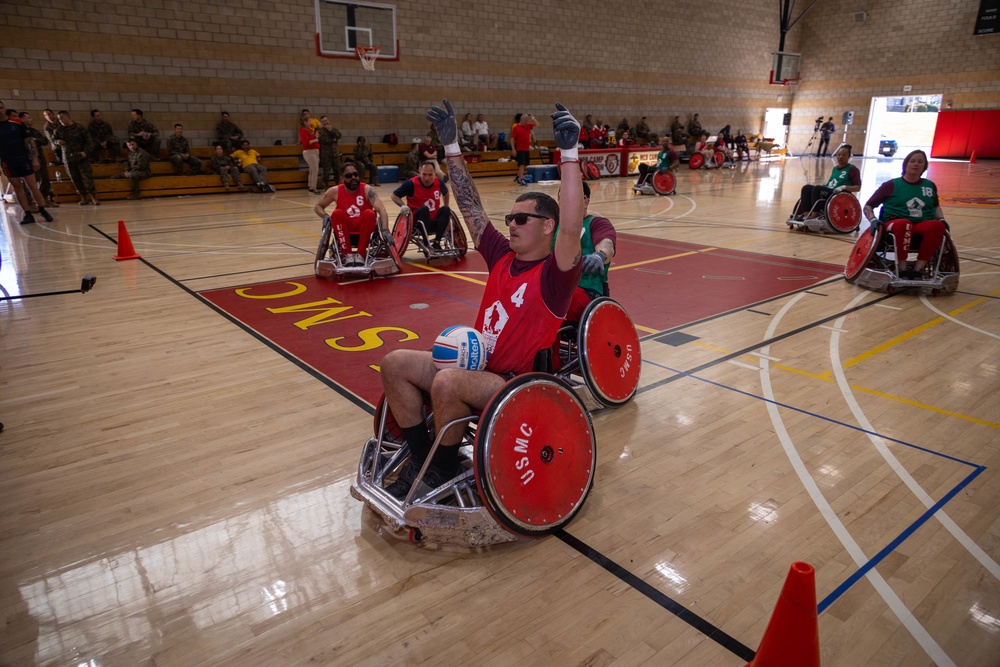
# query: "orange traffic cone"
[125,249]
[973,158]
[792,635]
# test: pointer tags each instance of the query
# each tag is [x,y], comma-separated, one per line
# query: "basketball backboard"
[784,68]
[342,26]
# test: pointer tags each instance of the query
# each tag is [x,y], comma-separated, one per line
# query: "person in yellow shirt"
[250,163]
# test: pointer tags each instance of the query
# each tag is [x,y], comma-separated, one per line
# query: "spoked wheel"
[696,161]
[720,158]
[861,254]
[608,346]
[949,261]
[456,236]
[324,240]
[843,213]
[535,455]
[402,230]
[664,182]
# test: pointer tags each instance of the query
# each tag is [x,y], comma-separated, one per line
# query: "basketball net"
[368,55]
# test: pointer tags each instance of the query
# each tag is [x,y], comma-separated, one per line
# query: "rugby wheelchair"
[719,159]
[872,264]
[381,258]
[657,183]
[454,243]
[839,213]
[528,459]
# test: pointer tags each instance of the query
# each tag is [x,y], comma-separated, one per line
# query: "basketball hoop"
[368,55]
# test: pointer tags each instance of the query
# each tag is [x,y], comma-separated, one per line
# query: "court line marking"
[889,596]
[960,536]
[926,302]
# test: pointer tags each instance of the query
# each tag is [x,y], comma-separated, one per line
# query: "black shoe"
[436,245]
[27,219]
[434,478]
[45,214]
[911,274]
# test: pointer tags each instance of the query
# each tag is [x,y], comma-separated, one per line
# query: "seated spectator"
[250,162]
[179,152]
[694,131]
[364,160]
[625,139]
[427,198]
[643,134]
[104,137]
[145,134]
[467,137]
[226,167]
[598,135]
[727,138]
[137,167]
[228,134]
[740,141]
[412,166]
[487,141]
[678,135]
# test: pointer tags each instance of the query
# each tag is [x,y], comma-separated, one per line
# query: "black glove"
[327,221]
[946,225]
[565,128]
[444,123]
[594,262]
[874,226]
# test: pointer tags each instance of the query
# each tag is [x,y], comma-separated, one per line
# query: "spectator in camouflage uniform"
[51,123]
[228,134]
[77,148]
[226,168]
[103,136]
[42,173]
[329,153]
[364,159]
[144,133]
[412,166]
[138,167]
[179,150]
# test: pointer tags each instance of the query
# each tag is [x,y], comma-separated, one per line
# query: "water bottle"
[58,176]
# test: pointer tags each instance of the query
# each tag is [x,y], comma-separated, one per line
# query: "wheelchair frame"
[381,259]
[872,264]
[657,183]
[533,448]
[454,242]
[697,161]
[841,214]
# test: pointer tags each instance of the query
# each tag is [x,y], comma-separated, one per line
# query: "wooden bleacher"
[285,171]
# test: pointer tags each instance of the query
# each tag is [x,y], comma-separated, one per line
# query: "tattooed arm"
[467,198]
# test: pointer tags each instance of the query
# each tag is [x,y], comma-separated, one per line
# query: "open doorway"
[898,125]
[774,127]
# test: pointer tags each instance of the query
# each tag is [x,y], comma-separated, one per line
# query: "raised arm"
[566,131]
[459,179]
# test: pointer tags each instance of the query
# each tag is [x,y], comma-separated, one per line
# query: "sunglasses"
[353,174]
[521,219]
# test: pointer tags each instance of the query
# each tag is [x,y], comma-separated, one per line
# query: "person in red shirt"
[520,137]
[357,204]
[427,199]
[528,293]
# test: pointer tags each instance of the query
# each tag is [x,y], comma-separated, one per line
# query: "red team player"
[527,295]
[427,199]
[357,204]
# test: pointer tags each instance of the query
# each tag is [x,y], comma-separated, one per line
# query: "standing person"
[310,151]
[329,153]
[364,160]
[355,213]
[250,162]
[844,178]
[137,169]
[427,199]
[51,123]
[42,173]
[77,147]
[103,136]
[527,295]
[910,207]
[306,117]
[826,131]
[228,134]
[179,151]
[19,161]
[225,167]
[144,133]
[520,136]
[429,153]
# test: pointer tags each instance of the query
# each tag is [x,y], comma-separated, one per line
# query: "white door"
[773,126]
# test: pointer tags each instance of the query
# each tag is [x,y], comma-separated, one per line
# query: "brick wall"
[185,61]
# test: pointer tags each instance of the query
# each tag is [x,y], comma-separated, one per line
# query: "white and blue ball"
[460,347]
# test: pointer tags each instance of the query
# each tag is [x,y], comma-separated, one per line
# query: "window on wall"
[341,27]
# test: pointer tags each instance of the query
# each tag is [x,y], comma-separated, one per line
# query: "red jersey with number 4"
[421,195]
[353,202]
[514,319]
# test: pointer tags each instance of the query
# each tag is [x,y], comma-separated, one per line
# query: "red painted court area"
[344,329]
